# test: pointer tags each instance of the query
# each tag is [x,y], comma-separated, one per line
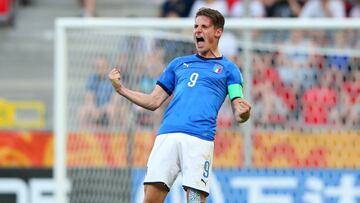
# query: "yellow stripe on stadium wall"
[10,111]
[7,114]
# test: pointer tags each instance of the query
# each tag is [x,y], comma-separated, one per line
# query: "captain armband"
[235,91]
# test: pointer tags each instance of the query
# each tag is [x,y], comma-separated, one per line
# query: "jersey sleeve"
[234,83]
[167,78]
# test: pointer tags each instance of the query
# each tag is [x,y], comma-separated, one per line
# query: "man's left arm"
[241,109]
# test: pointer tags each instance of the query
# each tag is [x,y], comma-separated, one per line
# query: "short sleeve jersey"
[101,88]
[199,86]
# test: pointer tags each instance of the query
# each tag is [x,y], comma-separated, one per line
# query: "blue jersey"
[199,86]
[101,88]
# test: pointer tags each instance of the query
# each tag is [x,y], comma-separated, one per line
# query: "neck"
[216,55]
[210,54]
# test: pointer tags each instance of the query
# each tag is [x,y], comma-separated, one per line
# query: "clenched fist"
[115,78]
[241,110]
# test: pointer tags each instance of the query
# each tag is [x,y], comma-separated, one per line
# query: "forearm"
[144,100]
[148,101]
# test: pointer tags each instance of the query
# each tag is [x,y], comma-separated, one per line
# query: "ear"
[218,32]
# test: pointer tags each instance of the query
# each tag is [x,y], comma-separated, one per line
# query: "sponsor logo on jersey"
[186,64]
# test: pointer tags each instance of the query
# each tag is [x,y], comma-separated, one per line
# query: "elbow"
[153,106]
[156,102]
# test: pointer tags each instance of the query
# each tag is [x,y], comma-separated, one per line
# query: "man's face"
[206,36]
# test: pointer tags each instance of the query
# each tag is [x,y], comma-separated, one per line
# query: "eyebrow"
[203,25]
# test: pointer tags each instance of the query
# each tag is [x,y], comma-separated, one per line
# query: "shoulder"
[186,57]
[228,64]
[232,71]
[182,59]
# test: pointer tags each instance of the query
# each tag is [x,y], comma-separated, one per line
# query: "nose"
[198,29]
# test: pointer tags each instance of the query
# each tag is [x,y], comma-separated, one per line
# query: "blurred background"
[302,144]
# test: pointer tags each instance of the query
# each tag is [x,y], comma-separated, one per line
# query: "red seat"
[5,7]
[316,104]
[288,95]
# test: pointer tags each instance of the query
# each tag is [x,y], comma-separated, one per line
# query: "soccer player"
[199,84]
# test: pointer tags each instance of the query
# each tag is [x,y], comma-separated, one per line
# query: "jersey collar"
[203,58]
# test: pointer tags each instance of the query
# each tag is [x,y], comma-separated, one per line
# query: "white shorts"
[176,153]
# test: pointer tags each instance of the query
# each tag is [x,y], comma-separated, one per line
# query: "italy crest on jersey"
[217,68]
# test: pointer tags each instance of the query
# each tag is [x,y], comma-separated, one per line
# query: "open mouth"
[200,42]
[200,39]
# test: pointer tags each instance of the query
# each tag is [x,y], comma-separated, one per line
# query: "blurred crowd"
[264,8]
[294,85]
[305,82]
[300,78]
[249,8]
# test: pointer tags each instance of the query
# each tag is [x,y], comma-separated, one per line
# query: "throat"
[213,54]
[210,54]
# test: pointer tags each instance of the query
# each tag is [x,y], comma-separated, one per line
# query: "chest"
[200,74]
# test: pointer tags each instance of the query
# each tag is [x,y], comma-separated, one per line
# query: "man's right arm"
[150,101]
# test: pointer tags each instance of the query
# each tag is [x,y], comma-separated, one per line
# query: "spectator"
[350,109]
[219,5]
[323,9]
[319,38]
[293,61]
[238,9]
[88,8]
[25,2]
[283,8]
[355,10]
[174,8]
[152,67]
[319,102]
[99,108]
[269,107]
[339,60]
